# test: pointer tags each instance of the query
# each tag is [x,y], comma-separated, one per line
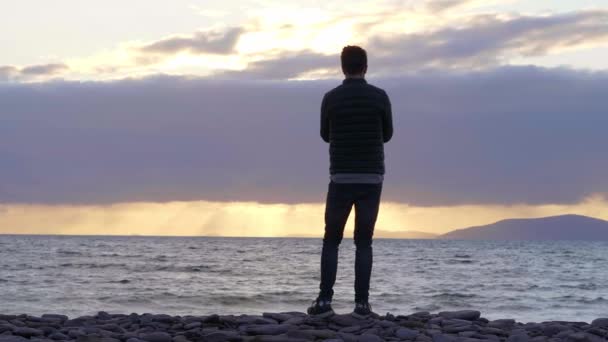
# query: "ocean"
[80,275]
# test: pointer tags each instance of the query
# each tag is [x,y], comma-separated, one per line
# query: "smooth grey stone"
[352,329]
[539,339]
[192,325]
[600,322]
[347,337]
[277,338]
[58,317]
[17,323]
[467,334]
[386,324]
[255,320]
[133,339]
[553,329]
[443,338]
[457,328]
[12,338]
[222,336]
[58,336]
[487,337]
[469,315]
[312,334]
[279,317]
[576,337]
[74,333]
[265,329]
[518,338]
[369,338]
[346,320]
[157,336]
[294,321]
[423,338]
[435,320]
[406,334]
[7,317]
[180,338]
[333,340]
[27,332]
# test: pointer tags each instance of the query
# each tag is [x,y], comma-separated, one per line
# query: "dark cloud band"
[507,135]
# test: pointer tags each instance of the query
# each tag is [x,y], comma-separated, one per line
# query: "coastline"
[447,326]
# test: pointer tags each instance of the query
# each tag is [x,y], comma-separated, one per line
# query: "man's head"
[354,61]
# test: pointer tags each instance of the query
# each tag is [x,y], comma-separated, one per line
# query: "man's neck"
[358,76]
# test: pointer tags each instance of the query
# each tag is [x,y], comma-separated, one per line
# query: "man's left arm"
[387,120]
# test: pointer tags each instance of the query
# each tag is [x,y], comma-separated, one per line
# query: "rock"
[222,336]
[311,334]
[294,321]
[469,315]
[279,317]
[553,329]
[519,337]
[369,338]
[12,338]
[57,317]
[180,338]
[192,325]
[406,334]
[345,320]
[347,337]
[157,336]
[255,320]
[576,337]
[58,336]
[133,339]
[277,338]
[501,323]
[265,329]
[27,332]
[443,338]
[600,322]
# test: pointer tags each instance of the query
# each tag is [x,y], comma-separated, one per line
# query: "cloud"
[10,73]
[480,42]
[287,66]
[205,42]
[45,69]
[489,40]
[503,136]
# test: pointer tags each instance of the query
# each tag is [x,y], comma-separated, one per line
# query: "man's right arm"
[387,121]
[324,120]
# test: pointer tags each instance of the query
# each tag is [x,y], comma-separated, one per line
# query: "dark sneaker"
[320,308]
[362,310]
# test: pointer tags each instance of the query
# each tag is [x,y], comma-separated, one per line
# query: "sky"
[201,118]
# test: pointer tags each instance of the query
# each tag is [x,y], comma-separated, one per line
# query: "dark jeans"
[340,199]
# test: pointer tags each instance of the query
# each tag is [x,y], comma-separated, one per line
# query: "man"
[356,121]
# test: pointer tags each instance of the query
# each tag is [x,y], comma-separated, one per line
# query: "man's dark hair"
[354,60]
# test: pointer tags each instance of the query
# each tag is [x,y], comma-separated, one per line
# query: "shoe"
[320,308]
[362,310]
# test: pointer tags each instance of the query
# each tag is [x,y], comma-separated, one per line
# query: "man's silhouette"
[356,121]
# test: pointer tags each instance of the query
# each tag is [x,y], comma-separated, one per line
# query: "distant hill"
[564,227]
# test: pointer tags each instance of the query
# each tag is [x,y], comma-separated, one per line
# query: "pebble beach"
[445,326]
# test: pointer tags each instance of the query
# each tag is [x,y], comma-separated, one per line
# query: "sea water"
[80,275]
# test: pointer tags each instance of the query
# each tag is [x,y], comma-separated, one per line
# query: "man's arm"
[387,121]
[324,120]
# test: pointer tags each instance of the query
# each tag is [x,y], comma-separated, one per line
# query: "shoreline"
[446,326]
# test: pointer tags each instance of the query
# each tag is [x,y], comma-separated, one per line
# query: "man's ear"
[364,69]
